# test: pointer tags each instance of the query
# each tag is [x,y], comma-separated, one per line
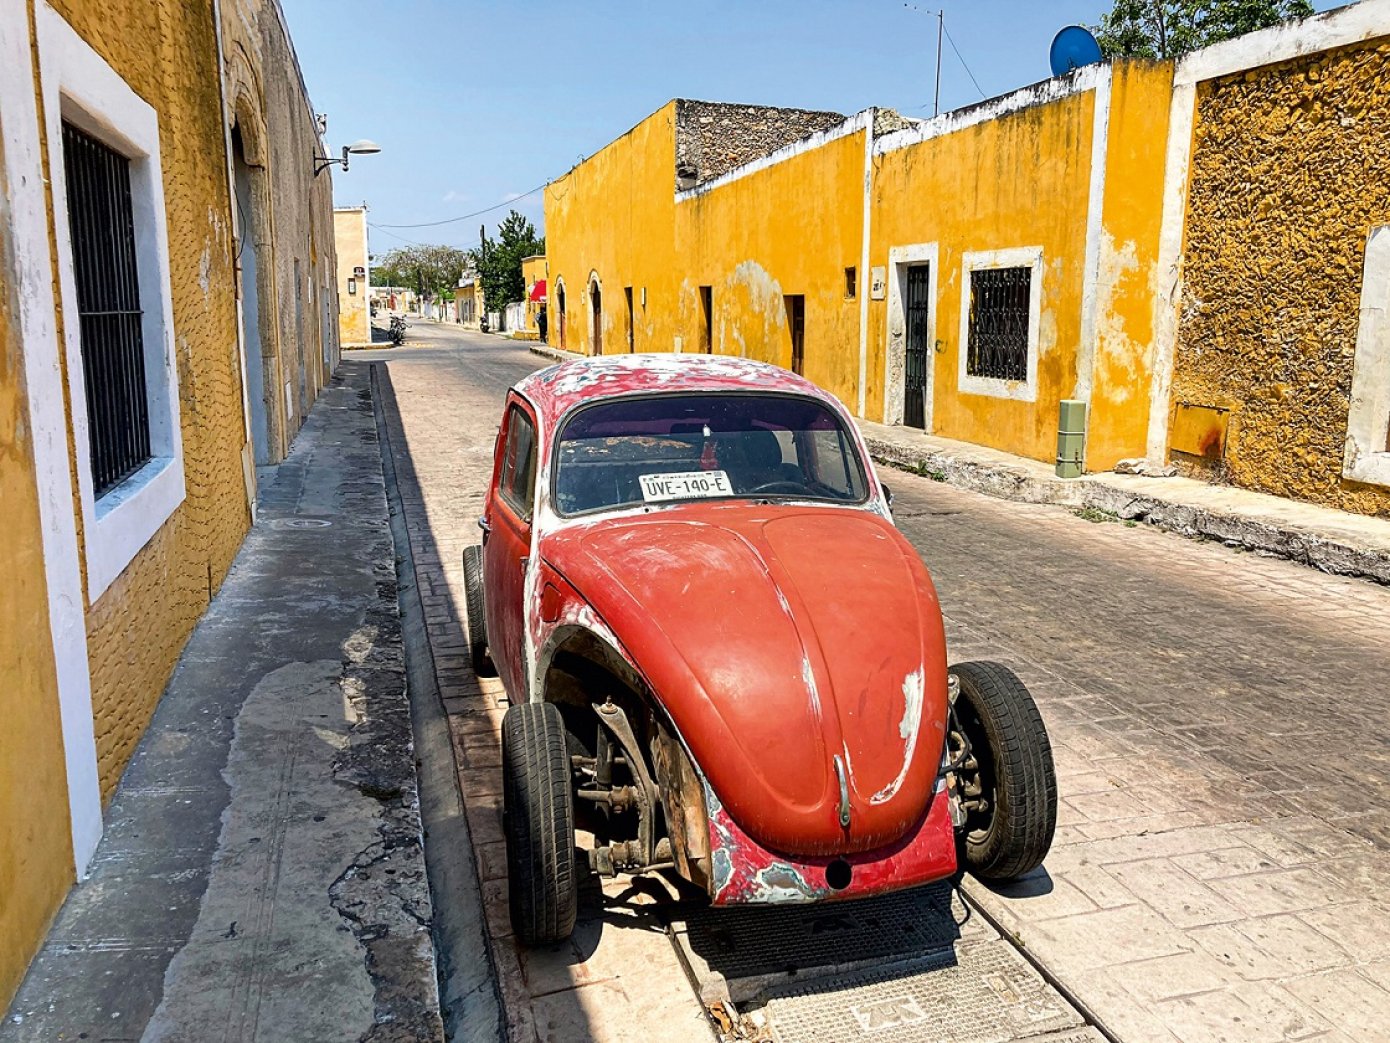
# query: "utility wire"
[414,242]
[962,62]
[465,217]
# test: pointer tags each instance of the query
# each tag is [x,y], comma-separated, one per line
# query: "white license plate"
[685,485]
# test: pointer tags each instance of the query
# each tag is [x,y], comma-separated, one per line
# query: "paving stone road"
[1220,723]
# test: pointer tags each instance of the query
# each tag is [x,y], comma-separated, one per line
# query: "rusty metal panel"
[980,993]
[1199,430]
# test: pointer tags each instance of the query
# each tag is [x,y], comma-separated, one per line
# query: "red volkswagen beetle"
[718,646]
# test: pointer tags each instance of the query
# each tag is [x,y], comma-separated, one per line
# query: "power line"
[465,217]
[413,242]
[962,62]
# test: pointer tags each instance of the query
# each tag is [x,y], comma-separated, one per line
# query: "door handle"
[523,564]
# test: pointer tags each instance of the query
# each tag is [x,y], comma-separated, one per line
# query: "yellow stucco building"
[468,301]
[147,363]
[533,277]
[350,238]
[1082,239]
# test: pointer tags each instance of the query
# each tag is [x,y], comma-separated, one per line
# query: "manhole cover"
[978,993]
[761,940]
[300,523]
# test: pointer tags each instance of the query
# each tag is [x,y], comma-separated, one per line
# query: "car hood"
[778,638]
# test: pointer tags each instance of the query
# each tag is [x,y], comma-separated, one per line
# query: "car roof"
[556,390]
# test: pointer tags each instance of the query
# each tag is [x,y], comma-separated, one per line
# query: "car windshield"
[668,448]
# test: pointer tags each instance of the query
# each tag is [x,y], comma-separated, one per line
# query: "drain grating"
[977,993]
[754,941]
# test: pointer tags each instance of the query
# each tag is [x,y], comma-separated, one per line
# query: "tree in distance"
[498,261]
[431,271]
[1172,28]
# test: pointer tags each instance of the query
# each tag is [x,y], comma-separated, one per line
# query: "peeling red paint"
[745,872]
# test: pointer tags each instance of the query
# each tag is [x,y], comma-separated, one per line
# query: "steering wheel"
[780,487]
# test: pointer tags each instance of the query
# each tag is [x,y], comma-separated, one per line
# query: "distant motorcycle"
[397,329]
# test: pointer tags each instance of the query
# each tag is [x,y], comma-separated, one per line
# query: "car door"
[507,544]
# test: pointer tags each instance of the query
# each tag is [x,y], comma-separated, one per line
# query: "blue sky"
[475,103]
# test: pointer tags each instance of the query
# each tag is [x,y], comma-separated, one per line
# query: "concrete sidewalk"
[1333,541]
[262,877]
[1330,540]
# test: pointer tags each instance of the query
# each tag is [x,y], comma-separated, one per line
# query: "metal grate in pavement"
[978,993]
[754,941]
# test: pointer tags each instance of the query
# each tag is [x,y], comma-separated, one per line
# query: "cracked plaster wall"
[1288,177]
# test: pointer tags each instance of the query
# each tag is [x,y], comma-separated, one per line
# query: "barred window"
[999,313]
[102,226]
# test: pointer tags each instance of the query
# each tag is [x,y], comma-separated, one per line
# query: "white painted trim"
[1168,299]
[1077,82]
[1015,257]
[1095,203]
[25,211]
[1368,423]
[866,227]
[79,86]
[859,121]
[1347,25]
[900,259]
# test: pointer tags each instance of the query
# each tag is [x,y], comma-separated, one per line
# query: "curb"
[547,352]
[1305,546]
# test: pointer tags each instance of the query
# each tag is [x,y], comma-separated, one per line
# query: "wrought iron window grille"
[102,225]
[999,316]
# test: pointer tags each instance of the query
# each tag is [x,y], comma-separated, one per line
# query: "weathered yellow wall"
[35,837]
[1127,282]
[1016,181]
[791,228]
[1288,176]
[350,238]
[614,215]
[532,269]
[167,52]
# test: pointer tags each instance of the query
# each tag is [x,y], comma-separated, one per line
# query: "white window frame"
[1368,422]
[80,87]
[1014,257]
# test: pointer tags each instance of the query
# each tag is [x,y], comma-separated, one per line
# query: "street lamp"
[362,147]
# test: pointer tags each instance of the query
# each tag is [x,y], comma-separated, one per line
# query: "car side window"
[830,453]
[518,484]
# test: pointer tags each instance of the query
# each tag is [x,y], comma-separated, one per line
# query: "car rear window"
[668,448]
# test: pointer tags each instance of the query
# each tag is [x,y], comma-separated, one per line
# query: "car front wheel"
[1003,775]
[538,820]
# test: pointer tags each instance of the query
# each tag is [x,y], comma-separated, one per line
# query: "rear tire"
[998,715]
[538,820]
[474,608]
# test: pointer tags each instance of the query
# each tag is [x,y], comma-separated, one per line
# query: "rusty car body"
[722,654]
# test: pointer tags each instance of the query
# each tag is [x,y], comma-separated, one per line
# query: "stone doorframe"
[245,110]
[900,259]
[595,315]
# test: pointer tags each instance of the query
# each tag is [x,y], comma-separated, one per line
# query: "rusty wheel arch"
[580,668]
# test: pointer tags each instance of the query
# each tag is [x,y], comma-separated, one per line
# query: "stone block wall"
[713,138]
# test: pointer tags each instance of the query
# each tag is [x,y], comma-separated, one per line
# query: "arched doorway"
[560,309]
[596,315]
[248,218]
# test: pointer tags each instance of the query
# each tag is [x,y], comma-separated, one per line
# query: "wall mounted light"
[357,148]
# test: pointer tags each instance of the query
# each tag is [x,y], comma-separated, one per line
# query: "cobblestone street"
[1220,723]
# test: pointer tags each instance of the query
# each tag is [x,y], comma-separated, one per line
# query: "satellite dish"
[1073,47]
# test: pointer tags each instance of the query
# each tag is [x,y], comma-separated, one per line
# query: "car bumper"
[745,872]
